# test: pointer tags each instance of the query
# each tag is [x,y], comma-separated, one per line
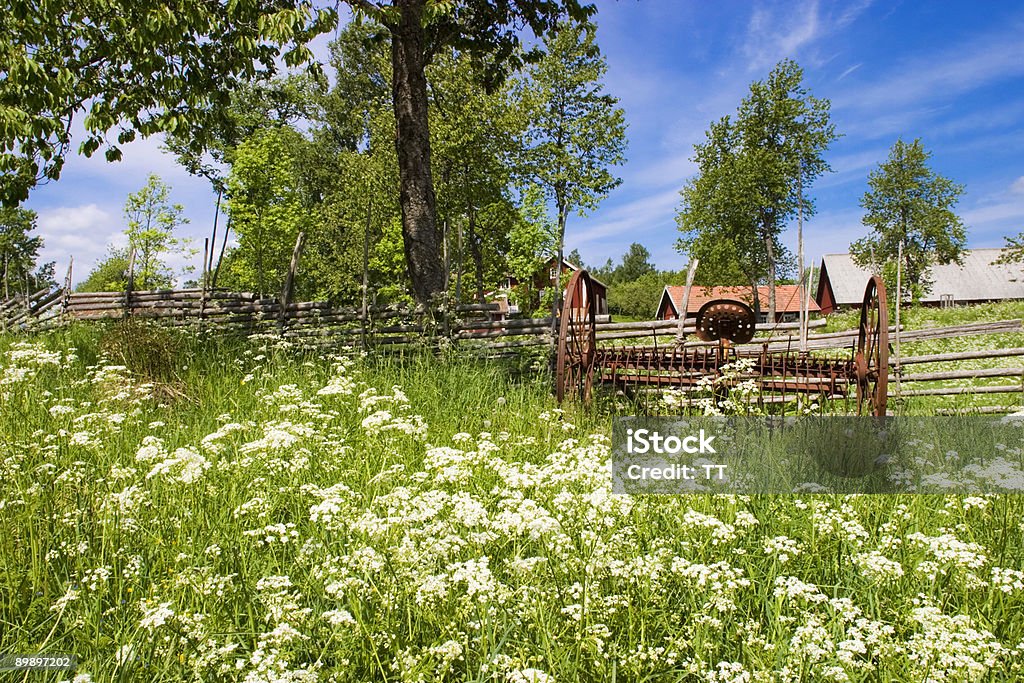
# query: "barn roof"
[787,297]
[975,280]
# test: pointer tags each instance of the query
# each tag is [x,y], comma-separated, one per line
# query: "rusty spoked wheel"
[871,362]
[577,342]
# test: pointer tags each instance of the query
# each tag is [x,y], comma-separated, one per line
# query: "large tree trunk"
[420,234]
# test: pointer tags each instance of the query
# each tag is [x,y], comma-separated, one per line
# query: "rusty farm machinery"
[726,330]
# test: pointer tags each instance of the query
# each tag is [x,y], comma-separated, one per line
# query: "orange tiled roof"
[787,297]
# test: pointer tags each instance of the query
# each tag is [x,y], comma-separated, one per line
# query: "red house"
[787,300]
[544,279]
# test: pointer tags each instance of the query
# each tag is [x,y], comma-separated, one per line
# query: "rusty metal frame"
[580,363]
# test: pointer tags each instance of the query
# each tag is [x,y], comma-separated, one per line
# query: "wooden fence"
[477,328]
[1013,372]
[472,325]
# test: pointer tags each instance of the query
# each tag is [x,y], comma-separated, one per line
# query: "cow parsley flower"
[878,566]
[154,616]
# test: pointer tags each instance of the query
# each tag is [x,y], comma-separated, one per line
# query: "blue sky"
[951,73]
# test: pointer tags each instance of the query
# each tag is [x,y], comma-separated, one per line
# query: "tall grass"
[287,515]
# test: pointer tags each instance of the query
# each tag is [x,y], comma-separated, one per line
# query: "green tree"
[267,209]
[19,250]
[1013,251]
[604,272]
[636,263]
[638,298]
[141,68]
[473,136]
[575,132]
[754,171]
[909,202]
[152,221]
[350,172]
[489,32]
[533,241]
[721,263]
[152,67]
[717,215]
[109,275]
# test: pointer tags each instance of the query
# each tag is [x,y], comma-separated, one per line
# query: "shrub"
[149,351]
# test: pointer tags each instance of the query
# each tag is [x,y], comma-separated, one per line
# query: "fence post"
[899,300]
[805,306]
[289,281]
[691,272]
[204,280]
[66,297]
[130,284]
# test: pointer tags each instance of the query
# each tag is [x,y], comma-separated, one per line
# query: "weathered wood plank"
[960,355]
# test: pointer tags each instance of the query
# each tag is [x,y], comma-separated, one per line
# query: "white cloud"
[849,71]
[773,35]
[999,213]
[943,74]
[850,12]
[1017,187]
[672,170]
[648,219]
[787,28]
[79,231]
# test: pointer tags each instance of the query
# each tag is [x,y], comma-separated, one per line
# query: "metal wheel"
[577,343]
[871,362]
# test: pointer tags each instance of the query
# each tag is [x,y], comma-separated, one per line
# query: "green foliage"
[473,142]
[636,263]
[533,240]
[350,171]
[109,275]
[152,221]
[267,209]
[19,251]
[604,272]
[754,173]
[720,262]
[253,106]
[388,265]
[489,33]
[141,68]
[149,351]
[639,298]
[575,131]
[1013,251]
[909,202]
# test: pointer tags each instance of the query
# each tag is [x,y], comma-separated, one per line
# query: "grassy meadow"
[174,507]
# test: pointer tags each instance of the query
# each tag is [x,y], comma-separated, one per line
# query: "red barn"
[544,279]
[787,300]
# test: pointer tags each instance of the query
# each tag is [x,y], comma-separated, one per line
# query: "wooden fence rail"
[474,327]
